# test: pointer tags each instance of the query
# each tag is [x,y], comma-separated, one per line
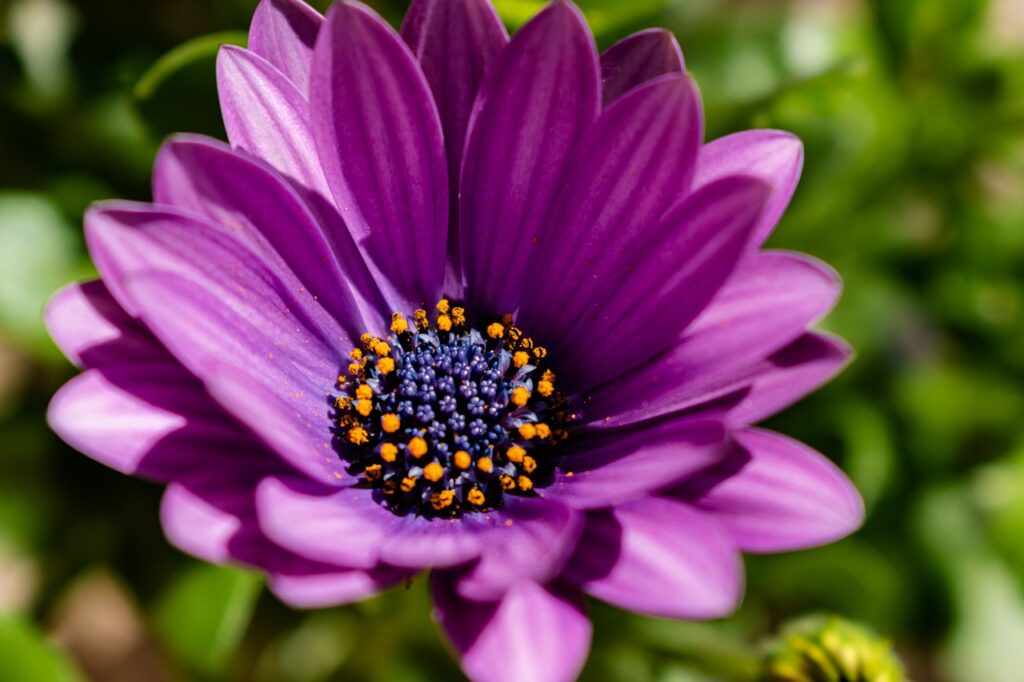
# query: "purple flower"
[456,302]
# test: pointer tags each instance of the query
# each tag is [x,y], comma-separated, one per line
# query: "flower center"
[444,418]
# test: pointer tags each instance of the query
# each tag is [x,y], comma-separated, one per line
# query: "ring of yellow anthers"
[443,418]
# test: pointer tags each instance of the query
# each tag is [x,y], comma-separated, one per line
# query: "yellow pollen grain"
[366,338]
[515,454]
[373,471]
[462,459]
[540,352]
[507,483]
[417,447]
[358,435]
[364,392]
[382,348]
[476,497]
[398,323]
[485,465]
[343,403]
[545,388]
[442,499]
[525,483]
[520,396]
[521,358]
[529,464]
[390,423]
[433,472]
[527,431]
[364,407]
[443,306]
[548,376]
[385,366]
[408,483]
[356,354]
[444,323]
[459,315]
[388,452]
[355,368]
[543,431]
[496,330]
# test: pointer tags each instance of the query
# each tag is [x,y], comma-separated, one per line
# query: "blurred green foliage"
[912,112]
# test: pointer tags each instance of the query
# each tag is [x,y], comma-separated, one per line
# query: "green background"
[912,112]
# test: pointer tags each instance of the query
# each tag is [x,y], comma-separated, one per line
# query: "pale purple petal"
[638,58]
[541,94]
[325,588]
[633,164]
[248,200]
[683,264]
[786,497]
[283,32]
[92,330]
[660,557]
[533,634]
[197,527]
[774,156]
[616,468]
[379,136]
[768,302]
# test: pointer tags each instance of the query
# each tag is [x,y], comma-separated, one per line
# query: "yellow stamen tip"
[442,499]
[496,330]
[521,358]
[358,435]
[545,388]
[476,497]
[433,472]
[366,338]
[520,396]
[356,354]
[385,366]
[543,431]
[398,323]
[459,315]
[382,348]
[527,431]
[364,407]
[388,452]
[443,306]
[548,376]
[373,472]
[462,459]
[507,483]
[515,454]
[364,392]
[444,323]
[525,483]
[529,464]
[390,423]
[408,483]
[417,447]
[485,465]
[355,368]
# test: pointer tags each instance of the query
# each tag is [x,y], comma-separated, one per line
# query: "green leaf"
[26,655]
[204,614]
[183,55]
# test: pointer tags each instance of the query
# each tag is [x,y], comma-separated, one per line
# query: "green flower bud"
[830,649]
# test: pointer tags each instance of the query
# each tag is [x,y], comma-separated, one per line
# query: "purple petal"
[789,375]
[773,156]
[197,527]
[620,467]
[535,546]
[638,58]
[324,588]
[532,634]
[633,164]
[283,32]
[687,259]
[660,557]
[768,302]
[382,149]
[787,497]
[93,330]
[539,96]
[454,41]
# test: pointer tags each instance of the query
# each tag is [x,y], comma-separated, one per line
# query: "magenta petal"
[660,557]
[789,375]
[382,149]
[638,58]
[249,200]
[454,41]
[532,634]
[773,156]
[92,330]
[283,32]
[787,497]
[534,546]
[618,468]
[266,116]
[771,299]
[540,95]
[630,167]
[325,587]
[197,527]
[687,260]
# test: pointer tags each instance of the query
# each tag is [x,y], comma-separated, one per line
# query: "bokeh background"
[912,112]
